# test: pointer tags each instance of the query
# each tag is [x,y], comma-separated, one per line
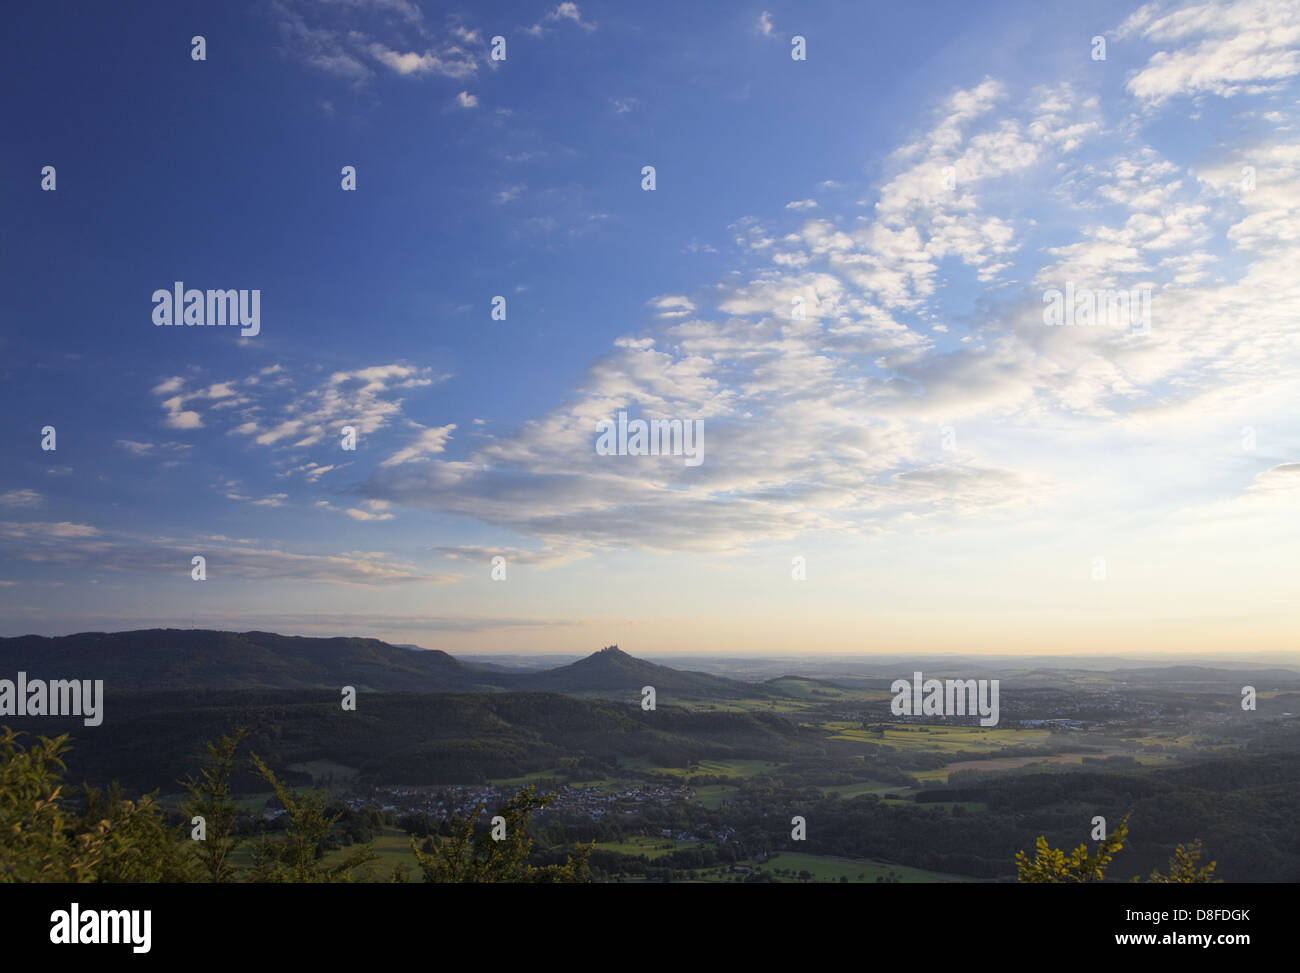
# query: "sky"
[843,275]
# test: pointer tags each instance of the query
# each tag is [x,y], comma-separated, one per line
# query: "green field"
[713,796]
[525,779]
[712,768]
[746,705]
[810,689]
[941,739]
[860,788]
[824,868]
[650,847]
[393,846]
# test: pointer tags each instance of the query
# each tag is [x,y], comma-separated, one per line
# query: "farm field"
[712,768]
[860,788]
[944,739]
[394,848]
[825,868]
[713,796]
[744,705]
[995,764]
[650,847]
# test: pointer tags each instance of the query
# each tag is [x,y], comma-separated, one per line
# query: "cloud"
[825,358]
[137,448]
[673,306]
[21,498]
[167,386]
[514,556]
[274,500]
[569,11]
[466,100]
[178,417]
[322,48]
[1225,49]
[312,471]
[376,510]
[822,368]
[279,415]
[344,38]
[85,547]
[45,530]
[764,25]
[1280,482]
[451,64]
[428,443]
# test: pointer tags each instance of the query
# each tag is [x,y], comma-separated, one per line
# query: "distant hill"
[613,670]
[175,659]
[1187,676]
[164,658]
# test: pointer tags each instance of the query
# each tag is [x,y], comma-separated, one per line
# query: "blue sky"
[950,468]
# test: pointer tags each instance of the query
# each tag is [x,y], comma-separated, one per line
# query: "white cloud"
[86,547]
[428,443]
[376,510]
[21,498]
[1225,49]
[451,63]
[569,11]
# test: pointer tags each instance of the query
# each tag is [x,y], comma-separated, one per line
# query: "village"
[592,801]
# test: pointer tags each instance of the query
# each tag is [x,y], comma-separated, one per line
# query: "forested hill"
[198,658]
[613,670]
[163,659]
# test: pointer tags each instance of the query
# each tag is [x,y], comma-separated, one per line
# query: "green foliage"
[209,798]
[297,857]
[1184,867]
[1051,864]
[469,857]
[34,842]
[138,846]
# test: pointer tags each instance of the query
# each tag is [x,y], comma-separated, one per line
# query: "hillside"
[176,659]
[410,738]
[611,670]
[198,658]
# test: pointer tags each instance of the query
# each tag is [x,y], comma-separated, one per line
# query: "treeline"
[1249,831]
[101,836]
[413,738]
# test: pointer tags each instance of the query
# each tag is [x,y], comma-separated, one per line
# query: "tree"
[138,845]
[1052,865]
[1183,867]
[297,857]
[36,843]
[469,857]
[209,798]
